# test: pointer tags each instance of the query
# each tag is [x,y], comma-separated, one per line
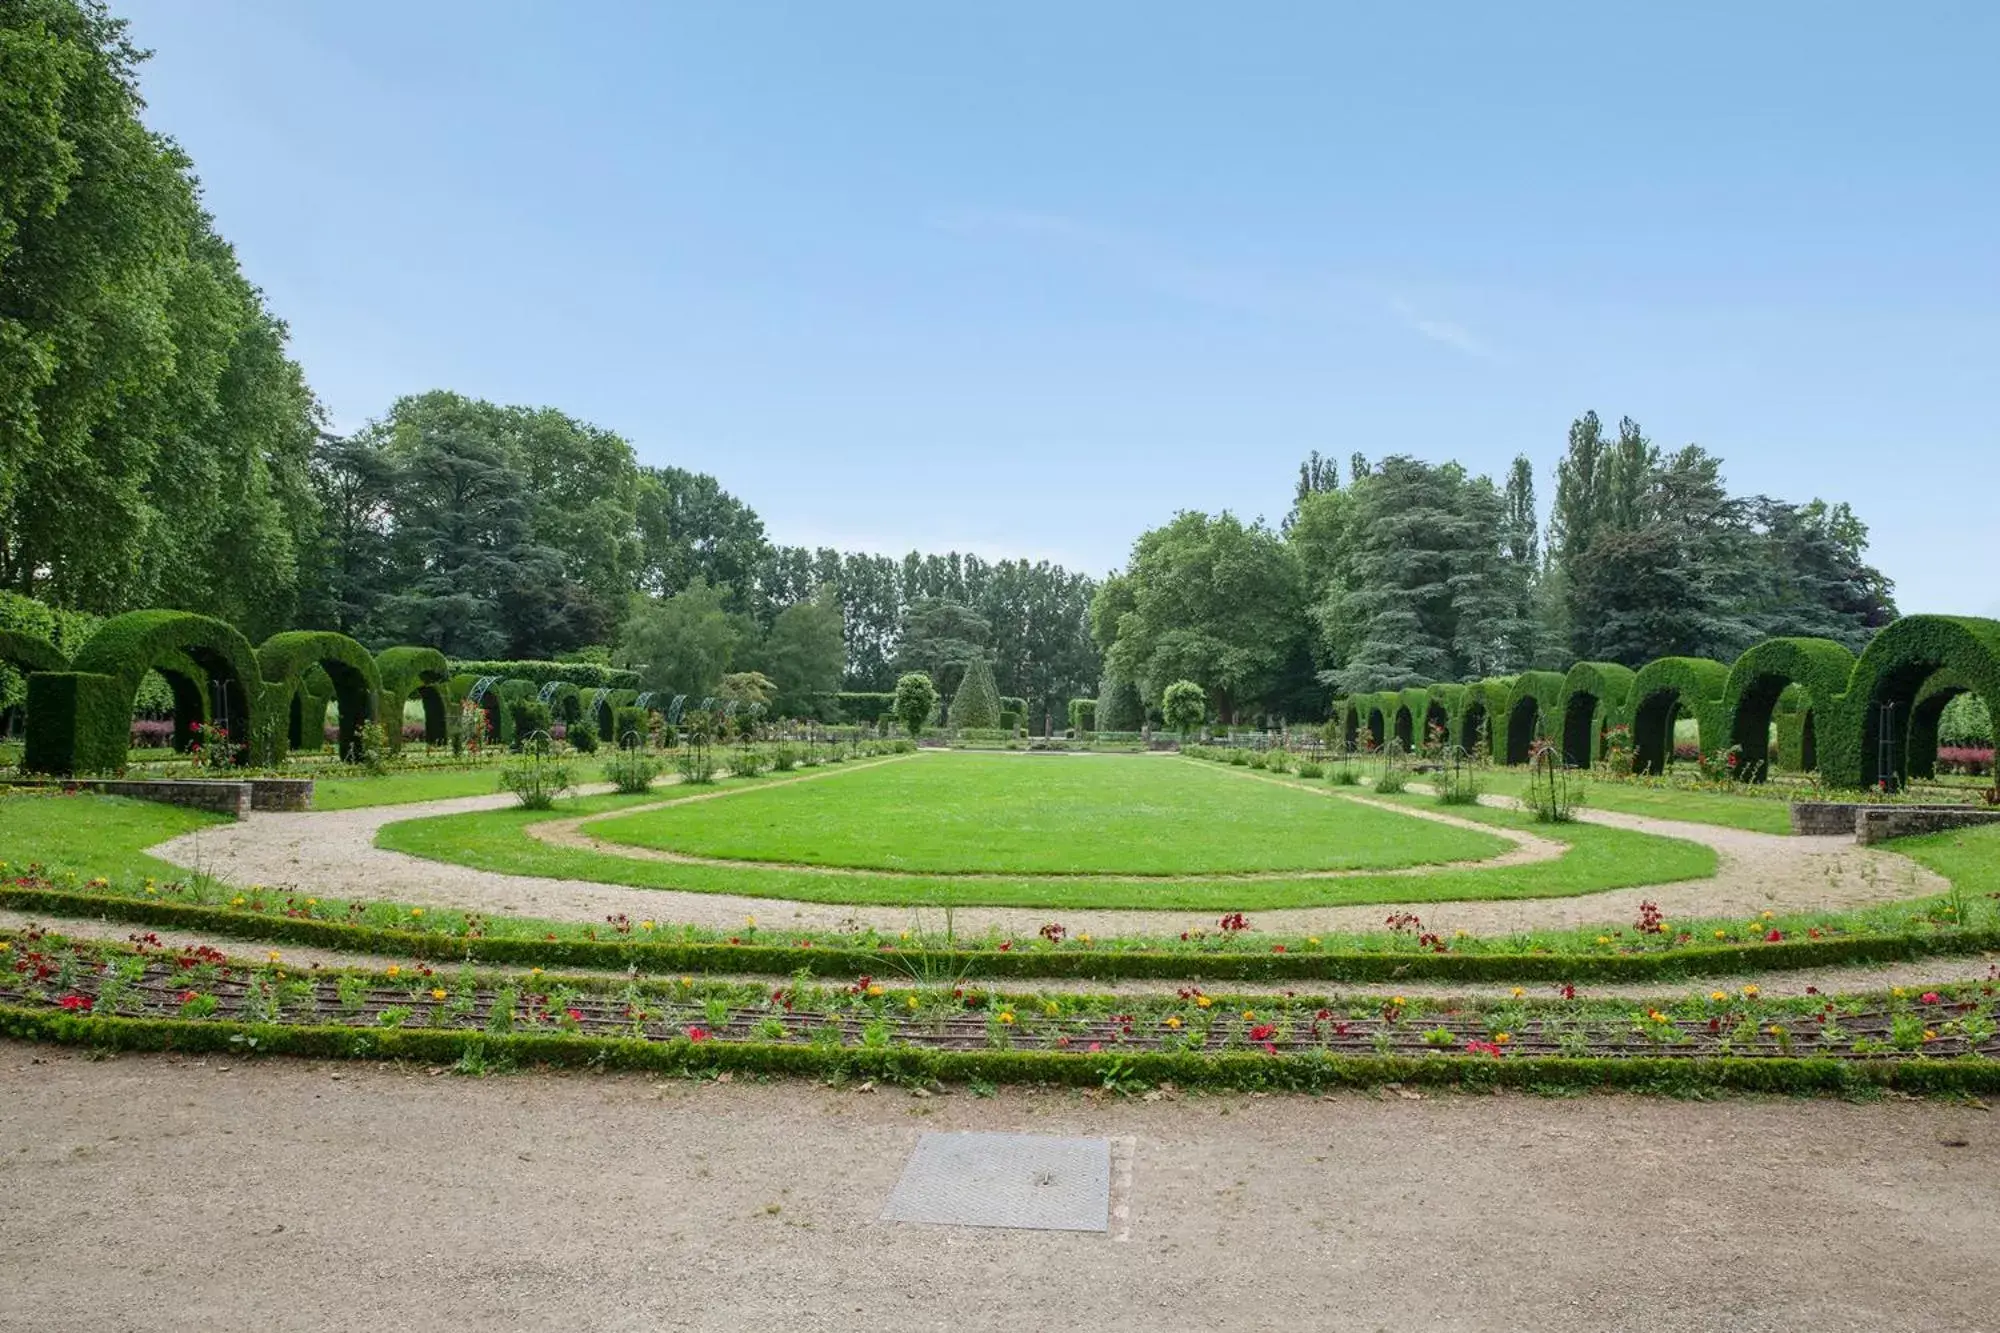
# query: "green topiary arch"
[1441,706]
[415,673]
[1472,723]
[1874,744]
[80,720]
[1534,711]
[1593,700]
[285,660]
[1664,689]
[1821,670]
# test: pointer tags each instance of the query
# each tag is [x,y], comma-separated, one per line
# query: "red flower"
[1234,922]
[694,1034]
[1277,948]
[1929,997]
[1482,1048]
[74,1002]
[1774,936]
[576,1015]
[1263,1031]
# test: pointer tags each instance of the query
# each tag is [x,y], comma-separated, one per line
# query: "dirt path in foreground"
[222,1193]
[333,853]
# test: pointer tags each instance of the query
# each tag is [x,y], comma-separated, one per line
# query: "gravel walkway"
[235,1193]
[333,853]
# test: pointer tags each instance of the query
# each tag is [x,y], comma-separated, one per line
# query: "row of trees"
[154,435]
[159,448]
[1407,572]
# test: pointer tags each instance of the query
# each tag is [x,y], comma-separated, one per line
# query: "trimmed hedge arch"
[1442,708]
[1478,705]
[27,652]
[1892,671]
[415,673]
[285,660]
[1594,696]
[1661,691]
[80,720]
[1410,708]
[565,701]
[499,729]
[1925,715]
[1821,669]
[1534,710]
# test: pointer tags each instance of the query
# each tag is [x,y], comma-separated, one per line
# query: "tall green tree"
[683,644]
[1215,601]
[803,655]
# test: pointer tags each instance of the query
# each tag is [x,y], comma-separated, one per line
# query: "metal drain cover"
[1005,1180]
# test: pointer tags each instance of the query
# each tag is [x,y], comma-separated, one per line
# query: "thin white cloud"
[1445,331]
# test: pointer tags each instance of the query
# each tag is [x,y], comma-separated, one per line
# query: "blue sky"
[1026,279]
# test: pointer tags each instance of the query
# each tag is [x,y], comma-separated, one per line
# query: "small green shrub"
[535,780]
[1344,774]
[696,765]
[628,723]
[582,737]
[784,759]
[631,770]
[1240,758]
[530,716]
[1309,769]
[747,762]
[1256,761]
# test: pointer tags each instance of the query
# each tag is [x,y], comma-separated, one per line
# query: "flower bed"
[193,999]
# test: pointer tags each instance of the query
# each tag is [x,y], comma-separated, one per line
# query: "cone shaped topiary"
[977,703]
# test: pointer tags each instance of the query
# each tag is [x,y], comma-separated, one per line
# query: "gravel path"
[1922,975]
[231,1193]
[333,853]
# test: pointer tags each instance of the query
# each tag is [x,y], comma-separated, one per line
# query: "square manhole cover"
[1005,1180]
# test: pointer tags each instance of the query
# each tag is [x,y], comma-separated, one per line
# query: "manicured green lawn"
[1047,814]
[1598,858]
[1758,814]
[1969,858]
[93,835]
[402,788]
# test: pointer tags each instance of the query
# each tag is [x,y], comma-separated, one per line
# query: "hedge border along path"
[1909,660]
[53,993]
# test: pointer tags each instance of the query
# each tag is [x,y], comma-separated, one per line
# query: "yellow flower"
[910,1000]
[1930,1034]
[874,988]
[395,971]
[1775,1030]
[152,891]
[1718,996]
[687,981]
[905,937]
[645,925]
[1083,938]
[1604,939]
[1502,1038]
[1750,992]
[237,901]
[1656,1016]
[1313,940]
[1896,991]
[1174,1021]
[1768,916]
[1006,1017]
[4,946]
[274,955]
[1722,934]
[534,971]
[416,911]
[1518,992]
[1051,1009]
[312,902]
[437,992]
[1398,1001]
[750,921]
[1203,1001]
[1249,1015]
